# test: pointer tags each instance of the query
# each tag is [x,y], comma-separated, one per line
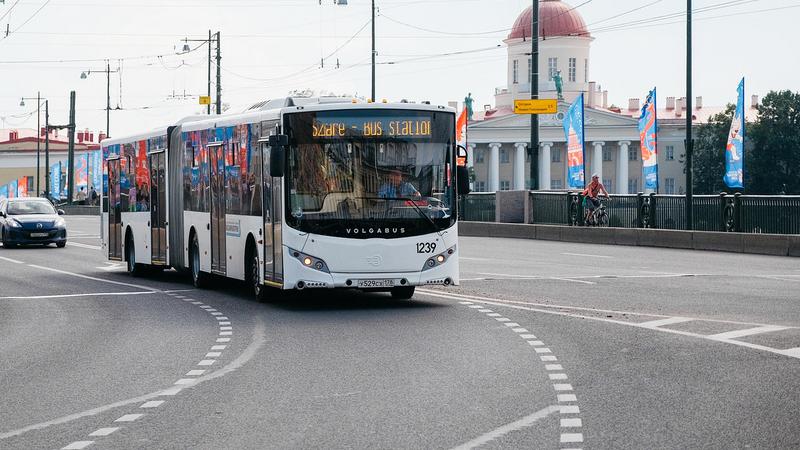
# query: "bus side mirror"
[277,154]
[462,180]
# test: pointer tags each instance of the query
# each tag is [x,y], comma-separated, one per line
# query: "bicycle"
[598,217]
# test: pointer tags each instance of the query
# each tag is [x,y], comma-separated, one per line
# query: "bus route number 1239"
[426,247]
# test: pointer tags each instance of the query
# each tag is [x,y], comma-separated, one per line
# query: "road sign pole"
[534,77]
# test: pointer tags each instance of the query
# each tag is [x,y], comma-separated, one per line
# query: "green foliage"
[772,148]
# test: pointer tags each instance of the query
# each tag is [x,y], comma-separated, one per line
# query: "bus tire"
[251,264]
[134,268]
[199,278]
[402,293]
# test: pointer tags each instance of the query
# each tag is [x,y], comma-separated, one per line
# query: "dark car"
[31,221]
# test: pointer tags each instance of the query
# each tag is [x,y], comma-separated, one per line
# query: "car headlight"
[60,222]
[13,223]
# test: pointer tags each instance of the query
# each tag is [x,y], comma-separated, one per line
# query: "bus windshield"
[370,174]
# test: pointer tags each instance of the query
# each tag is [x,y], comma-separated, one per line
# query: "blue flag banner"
[573,130]
[648,136]
[55,180]
[734,151]
[12,189]
[97,169]
[3,192]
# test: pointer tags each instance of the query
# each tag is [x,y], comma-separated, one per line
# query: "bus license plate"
[375,283]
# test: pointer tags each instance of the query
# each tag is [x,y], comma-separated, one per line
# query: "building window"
[573,69]
[633,185]
[670,153]
[480,186]
[555,184]
[669,185]
[555,155]
[552,68]
[504,158]
[585,70]
[515,71]
[505,185]
[606,153]
[530,70]
[479,155]
[607,183]
[633,153]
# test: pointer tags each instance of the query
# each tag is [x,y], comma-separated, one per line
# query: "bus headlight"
[309,261]
[438,260]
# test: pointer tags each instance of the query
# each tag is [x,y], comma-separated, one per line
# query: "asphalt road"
[544,345]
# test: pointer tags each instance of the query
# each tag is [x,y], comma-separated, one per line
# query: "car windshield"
[343,176]
[22,207]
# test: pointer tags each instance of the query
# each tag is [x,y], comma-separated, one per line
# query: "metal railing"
[776,214]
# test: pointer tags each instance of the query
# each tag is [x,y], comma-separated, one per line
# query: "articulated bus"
[292,194]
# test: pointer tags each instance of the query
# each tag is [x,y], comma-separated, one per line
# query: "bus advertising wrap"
[648,136]
[573,130]
[734,150]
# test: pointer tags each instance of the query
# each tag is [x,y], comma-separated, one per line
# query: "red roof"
[556,18]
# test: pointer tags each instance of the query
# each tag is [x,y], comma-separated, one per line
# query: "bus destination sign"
[375,127]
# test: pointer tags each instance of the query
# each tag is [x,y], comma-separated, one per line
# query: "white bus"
[305,193]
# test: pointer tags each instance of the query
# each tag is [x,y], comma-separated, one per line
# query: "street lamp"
[187,49]
[108,72]
[38,99]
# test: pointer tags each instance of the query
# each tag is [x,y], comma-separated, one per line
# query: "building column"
[544,166]
[519,166]
[597,161]
[494,167]
[470,155]
[622,167]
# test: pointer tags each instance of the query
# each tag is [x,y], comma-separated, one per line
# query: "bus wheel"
[402,293]
[199,278]
[252,273]
[134,268]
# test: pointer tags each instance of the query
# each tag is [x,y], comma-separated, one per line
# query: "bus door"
[271,191]
[158,207]
[217,163]
[114,211]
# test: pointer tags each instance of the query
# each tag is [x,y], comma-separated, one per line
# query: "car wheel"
[61,244]
[402,293]
[199,278]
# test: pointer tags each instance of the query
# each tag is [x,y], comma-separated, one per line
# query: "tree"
[709,153]
[774,165]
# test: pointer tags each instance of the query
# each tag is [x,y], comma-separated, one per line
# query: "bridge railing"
[775,214]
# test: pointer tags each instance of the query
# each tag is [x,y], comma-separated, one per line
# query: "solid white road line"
[587,256]
[186,381]
[103,431]
[748,332]
[93,294]
[129,418]
[78,445]
[525,422]
[87,277]
[11,260]
[662,322]
[152,404]
[78,244]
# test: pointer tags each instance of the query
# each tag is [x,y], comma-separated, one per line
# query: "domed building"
[498,139]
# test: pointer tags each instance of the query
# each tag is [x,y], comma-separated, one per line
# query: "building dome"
[556,18]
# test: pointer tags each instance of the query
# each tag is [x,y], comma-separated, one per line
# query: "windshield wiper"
[416,207]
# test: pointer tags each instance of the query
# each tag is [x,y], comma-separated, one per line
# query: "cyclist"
[590,195]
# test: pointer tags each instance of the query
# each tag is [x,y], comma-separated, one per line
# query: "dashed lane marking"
[78,445]
[748,332]
[792,353]
[82,245]
[566,401]
[129,418]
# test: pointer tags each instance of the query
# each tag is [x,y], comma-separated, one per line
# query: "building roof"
[556,18]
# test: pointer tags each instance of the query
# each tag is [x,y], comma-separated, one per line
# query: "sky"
[434,50]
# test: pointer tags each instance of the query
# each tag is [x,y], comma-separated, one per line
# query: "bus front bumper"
[308,278]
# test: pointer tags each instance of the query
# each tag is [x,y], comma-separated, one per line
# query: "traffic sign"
[205,100]
[535,106]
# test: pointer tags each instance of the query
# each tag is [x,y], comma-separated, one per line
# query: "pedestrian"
[80,197]
[92,196]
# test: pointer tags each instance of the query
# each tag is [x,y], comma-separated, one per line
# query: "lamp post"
[211,37]
[108,72]
[689,140]
[534,149]
[38,99]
